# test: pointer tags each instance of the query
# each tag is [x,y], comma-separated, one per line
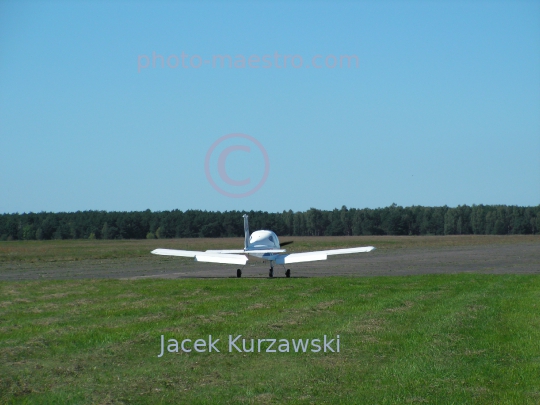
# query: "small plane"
[262,244]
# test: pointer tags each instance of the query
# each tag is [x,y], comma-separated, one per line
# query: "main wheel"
[288,273]
[271,273]
[238,273]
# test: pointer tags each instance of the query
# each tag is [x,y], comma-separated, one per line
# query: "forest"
[392,220]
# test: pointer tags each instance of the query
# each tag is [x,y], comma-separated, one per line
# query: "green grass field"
[451,339]
[84,249]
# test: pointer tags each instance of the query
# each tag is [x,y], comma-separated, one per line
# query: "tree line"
[392,220]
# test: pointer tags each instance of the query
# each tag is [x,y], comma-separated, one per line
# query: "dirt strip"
[520,258]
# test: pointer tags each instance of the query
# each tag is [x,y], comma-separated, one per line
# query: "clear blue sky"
[443,108]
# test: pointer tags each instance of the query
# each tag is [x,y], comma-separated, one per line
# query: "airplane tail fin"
[246,232]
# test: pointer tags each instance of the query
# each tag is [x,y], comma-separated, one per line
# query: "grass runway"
[444,339]
[395,255]
[421,338]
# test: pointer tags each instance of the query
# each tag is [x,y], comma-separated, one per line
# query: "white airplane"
[263,244]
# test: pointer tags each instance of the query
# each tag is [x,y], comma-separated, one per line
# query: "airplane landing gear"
[238,273]
[288,273]
[271,272]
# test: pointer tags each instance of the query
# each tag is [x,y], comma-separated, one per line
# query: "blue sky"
[443,107]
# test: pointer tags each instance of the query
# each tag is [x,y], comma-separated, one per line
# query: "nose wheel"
[271,272]
[288,273]
[238,273]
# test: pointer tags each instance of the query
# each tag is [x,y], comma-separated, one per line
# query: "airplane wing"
[347,251]
[226,251]
[319,255]
[300,257]
[209,257]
